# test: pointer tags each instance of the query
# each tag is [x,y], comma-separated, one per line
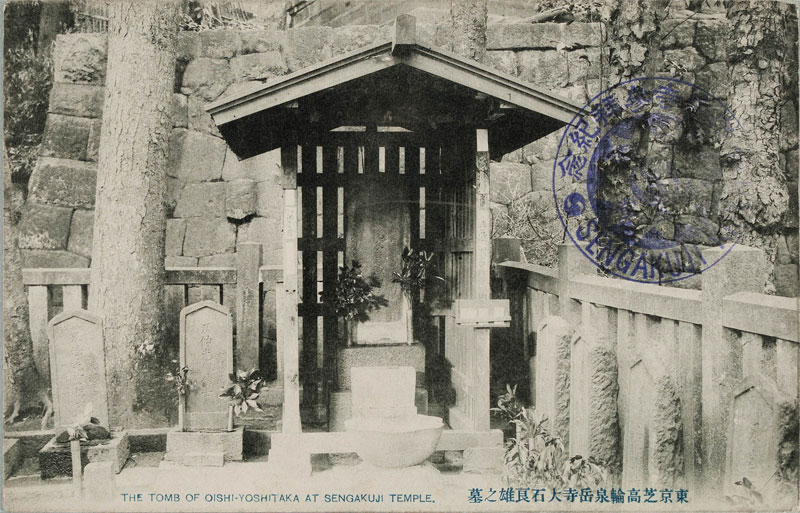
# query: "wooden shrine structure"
[420,125]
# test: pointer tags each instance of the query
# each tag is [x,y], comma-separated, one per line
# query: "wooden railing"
[240,288]
[708,342]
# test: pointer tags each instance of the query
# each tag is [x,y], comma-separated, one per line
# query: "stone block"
[81,232]
[52,258]
[188,45]
[787,282]
[583,65]
[174,189]
[679,33]
[713,78]
[261,168]
[206,78]
[782,255]
[209,236]
[379,355]
[258,41]
[93,146]
[308,45]
[483,460]
[223,260]
[194,156]
[547,68]
[55,459]
[348,38]
[44,226]
[257,66]
[180,261]
[205,199]
[240,199]
[702,164]
[68,183]
[515,36]
[261,230]
[500,219]
[77,100]
[204,459]
[220,43]
[504,61]
[176,231]
[711,39]
[341,407]
[99,481]
[509,181]
[180,111]
[66,137]
[696,230]
[181,443]
[80,58]
[685,58]
[686,196]
[792,245]
[198,119]
[12,455]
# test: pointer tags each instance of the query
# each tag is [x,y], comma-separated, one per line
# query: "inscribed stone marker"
[77,363]
[206,348]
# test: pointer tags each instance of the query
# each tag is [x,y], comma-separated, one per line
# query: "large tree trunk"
[27,385]
[468,29]
[127,286]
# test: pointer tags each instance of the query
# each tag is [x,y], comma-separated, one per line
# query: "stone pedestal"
[55,459]
[11,455]
[205,448]
[374,356]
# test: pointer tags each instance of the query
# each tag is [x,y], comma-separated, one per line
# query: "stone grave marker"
[579,394]
[77,363]
[553,335]
[206,348]
[754,436]
[637,445]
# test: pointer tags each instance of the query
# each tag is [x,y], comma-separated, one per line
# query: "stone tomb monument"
[206,349]
[78,373]
[755,434]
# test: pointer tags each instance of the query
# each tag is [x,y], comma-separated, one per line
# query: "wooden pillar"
[286,296]
[248,260]
[481,273]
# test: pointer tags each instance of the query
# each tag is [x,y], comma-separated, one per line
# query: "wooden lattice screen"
[441,192]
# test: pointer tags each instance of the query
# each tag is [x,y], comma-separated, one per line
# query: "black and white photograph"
[400,255]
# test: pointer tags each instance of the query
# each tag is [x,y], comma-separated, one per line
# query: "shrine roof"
[400,83]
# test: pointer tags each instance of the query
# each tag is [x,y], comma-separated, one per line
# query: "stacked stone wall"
[216,201]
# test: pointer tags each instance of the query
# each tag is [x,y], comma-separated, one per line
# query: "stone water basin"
[393,442]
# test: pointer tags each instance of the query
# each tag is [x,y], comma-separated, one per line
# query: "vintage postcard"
[429,255]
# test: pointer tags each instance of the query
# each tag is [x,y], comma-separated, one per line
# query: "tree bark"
[468,28]
[27,385]
[127,287]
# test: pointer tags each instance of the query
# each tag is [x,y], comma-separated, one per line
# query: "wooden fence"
[241,288]
[707,344]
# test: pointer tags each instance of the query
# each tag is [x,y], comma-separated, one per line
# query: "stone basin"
[393,442]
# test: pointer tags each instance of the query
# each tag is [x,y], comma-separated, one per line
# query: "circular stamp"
[637,177]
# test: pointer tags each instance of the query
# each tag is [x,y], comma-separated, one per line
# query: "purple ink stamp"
[637,179]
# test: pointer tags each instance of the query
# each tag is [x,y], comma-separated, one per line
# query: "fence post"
[571,263]
[742,269]
[248,260]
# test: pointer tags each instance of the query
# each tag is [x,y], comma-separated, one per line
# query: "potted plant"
[242,392]
[417,269]
[351,298]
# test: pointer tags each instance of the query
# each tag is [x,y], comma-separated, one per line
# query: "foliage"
[243,390]
[508,405]
[535,458]
[417,269]
[27,79]
[179,378]
[212,15]
[351,296]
